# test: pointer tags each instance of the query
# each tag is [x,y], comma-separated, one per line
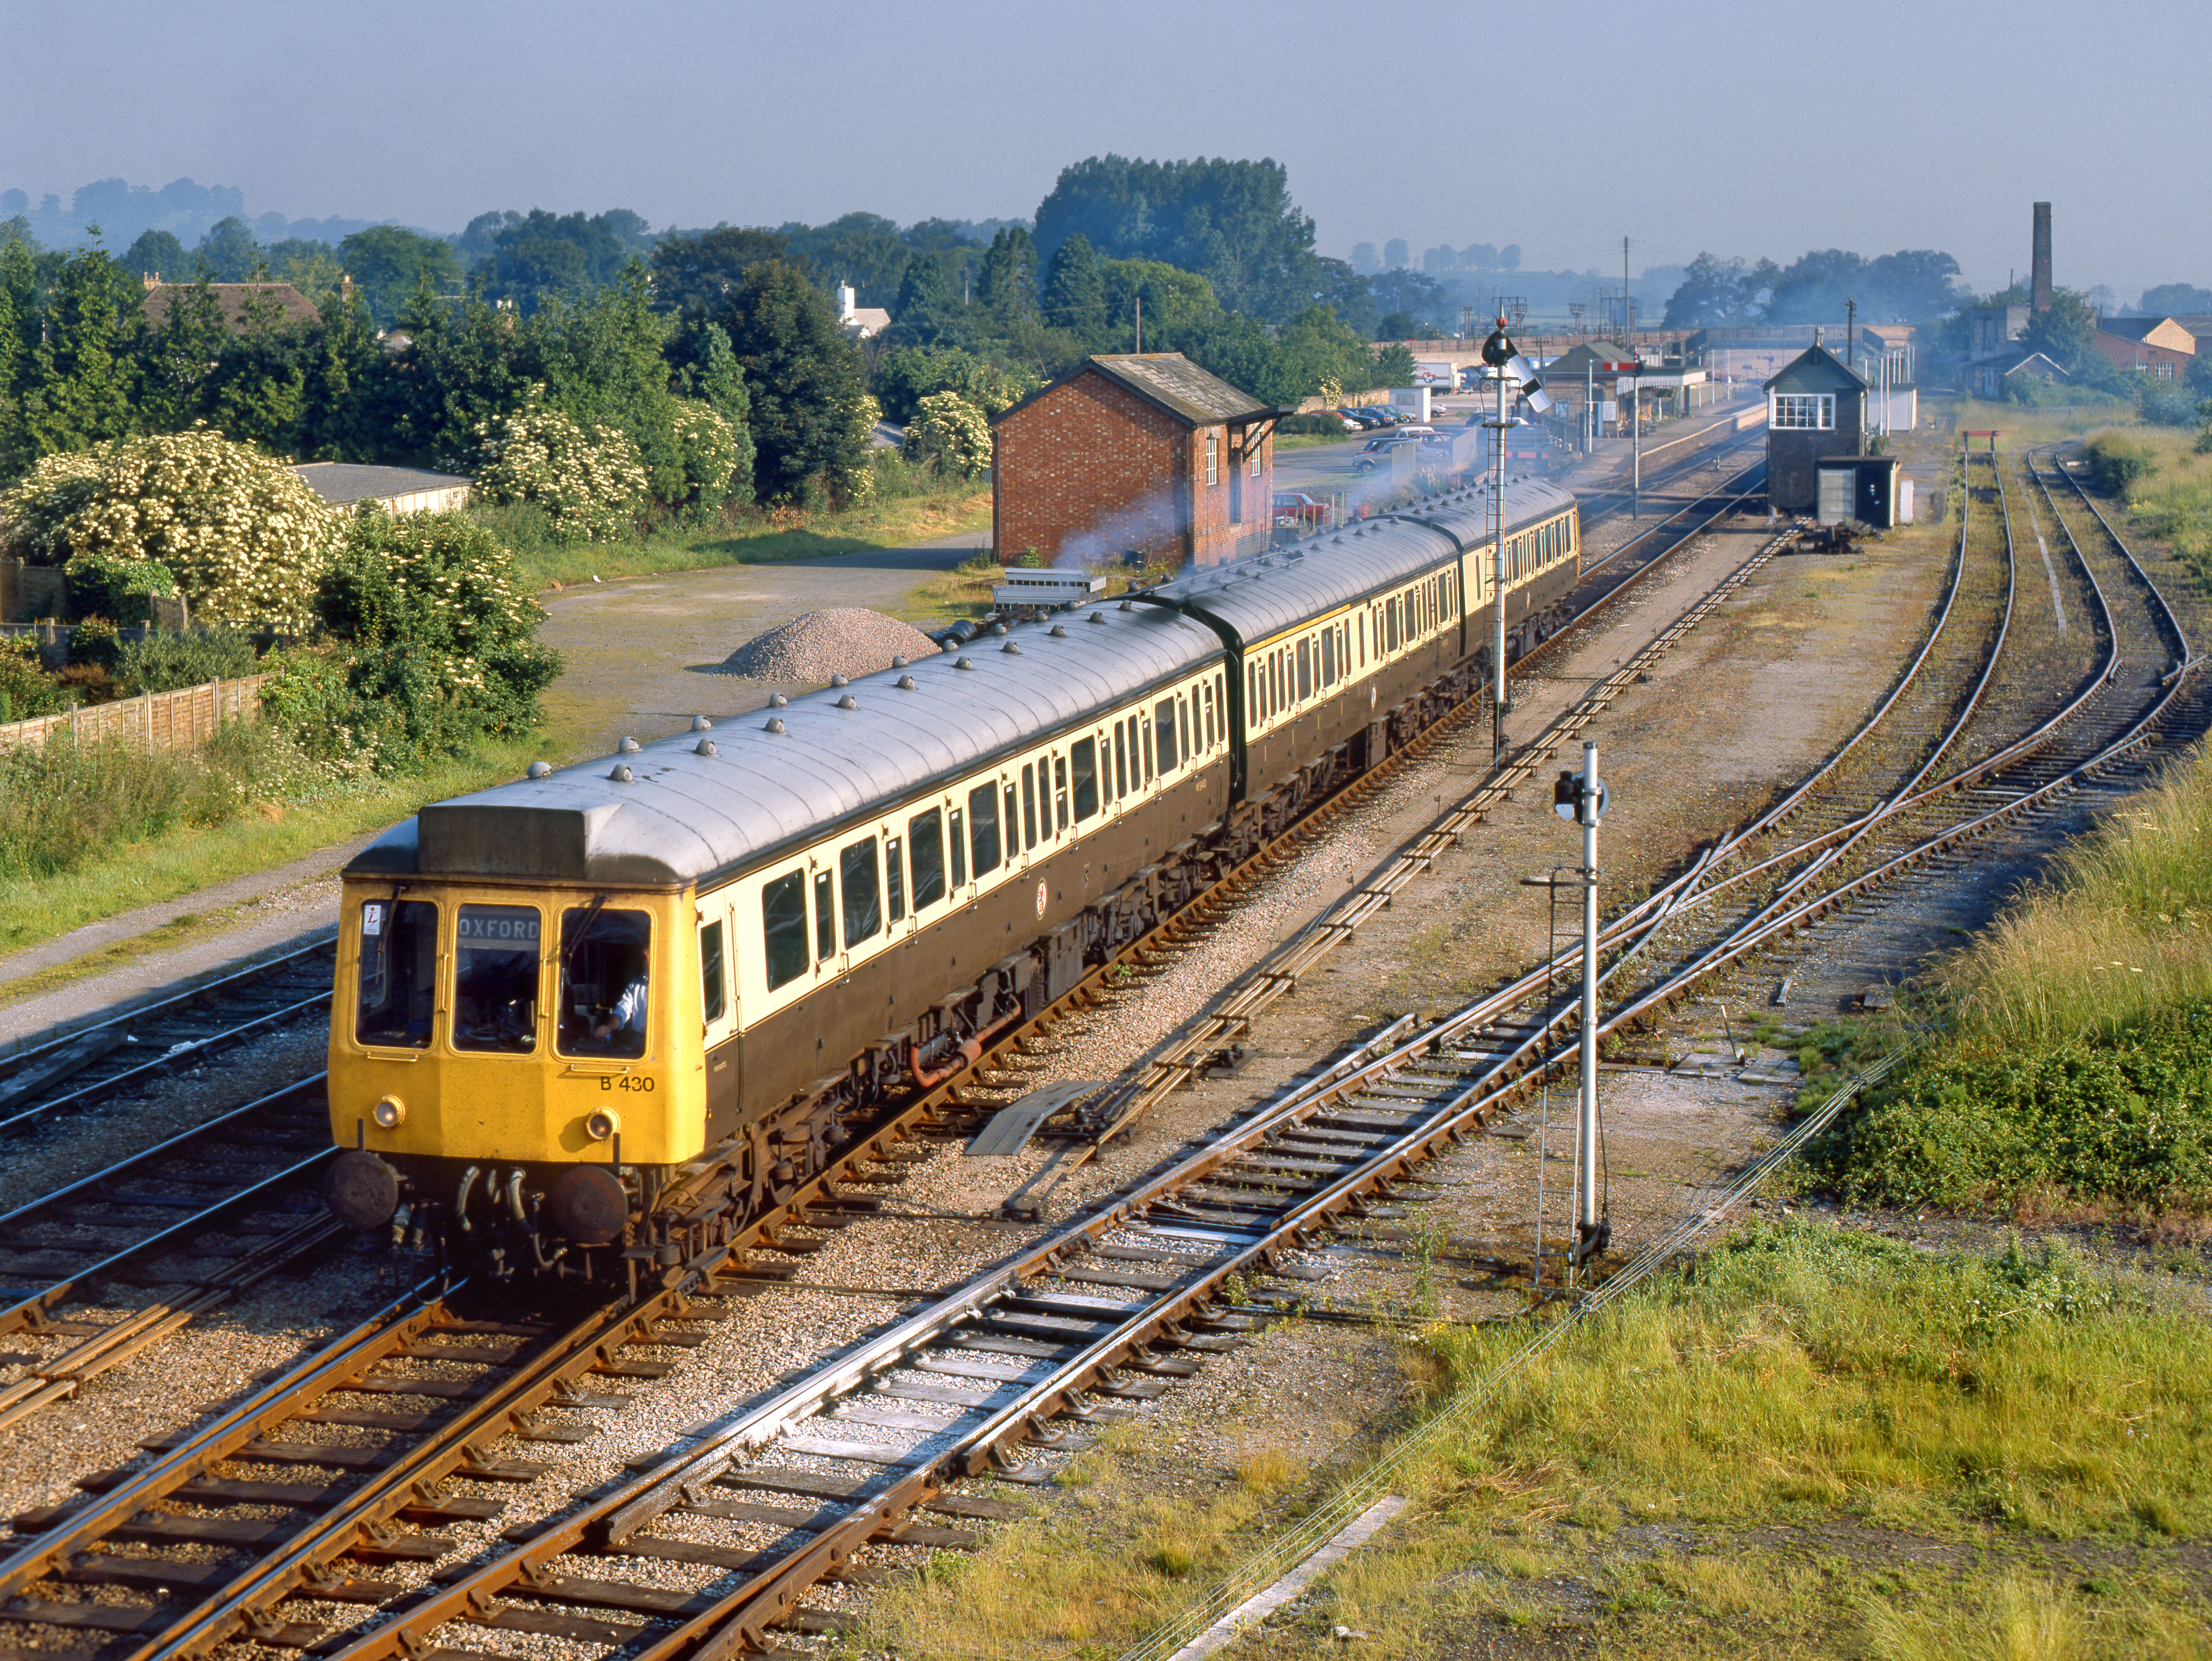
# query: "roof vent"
[622,775]
[839,680]
[705,747]
[898,663]
[849,702]
[906,683]
[1060,631]
[997,628]
[774,724]
[1098,617]
[628,746]
[1012,649]
[964,663]
[1128,607]
[701,724]
[541,769]
[776,700]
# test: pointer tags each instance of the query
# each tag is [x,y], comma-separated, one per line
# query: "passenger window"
[1305,673]
[925,844]
[1164,729]
[1182,725]
[1328,657]
[1060,791]
[604,956]
[783,927]
[1252,691]
[1121,764]
[825,918]
[1013,821]
[398,973]
[983,828]
[496,978]
[1029,807]
[714,992]
[1390,624]
[1221,701]
[959,844]
[1083,755]
[1142,743]
[894,880]
[858,881]
[1205,697]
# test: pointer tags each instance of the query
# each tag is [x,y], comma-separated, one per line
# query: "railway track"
[193,1222]
[768,1502]
[51,1081]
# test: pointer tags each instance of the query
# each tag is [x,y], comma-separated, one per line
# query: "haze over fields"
[1744,130]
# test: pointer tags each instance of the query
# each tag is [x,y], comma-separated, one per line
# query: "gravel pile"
[833,640]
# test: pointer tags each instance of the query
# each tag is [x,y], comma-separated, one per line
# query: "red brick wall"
[1089,469]
[2142,355]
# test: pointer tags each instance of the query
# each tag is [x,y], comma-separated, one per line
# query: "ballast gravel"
[833,640]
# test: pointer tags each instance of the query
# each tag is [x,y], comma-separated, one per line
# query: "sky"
[1746,128]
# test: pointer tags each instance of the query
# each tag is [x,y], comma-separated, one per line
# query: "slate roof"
[341,483]
[1816,369]
[1170,381]
[293,307]
[2141,329]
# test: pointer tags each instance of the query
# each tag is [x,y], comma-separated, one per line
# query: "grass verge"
[1814,1442]
[926,514]
[166,825]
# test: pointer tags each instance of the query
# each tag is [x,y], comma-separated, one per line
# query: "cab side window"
[605,954]
[398,973]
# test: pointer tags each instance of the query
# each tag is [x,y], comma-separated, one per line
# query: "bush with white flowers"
[953,432]
[592,485]
[243,535]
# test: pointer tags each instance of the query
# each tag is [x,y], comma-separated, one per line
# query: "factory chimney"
[2039,288]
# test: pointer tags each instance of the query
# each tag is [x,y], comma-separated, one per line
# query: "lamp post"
[1503,361]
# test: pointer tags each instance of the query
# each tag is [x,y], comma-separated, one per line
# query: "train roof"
[685,817]
[1260,598]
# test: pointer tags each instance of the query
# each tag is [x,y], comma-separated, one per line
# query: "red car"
[1296,506]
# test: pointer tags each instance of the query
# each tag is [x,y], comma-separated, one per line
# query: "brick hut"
[1130,452]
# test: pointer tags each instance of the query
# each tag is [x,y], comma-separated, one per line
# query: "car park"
[1296,508]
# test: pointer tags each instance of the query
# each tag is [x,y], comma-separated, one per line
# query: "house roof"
[1590,351]
[342,483]
[234,298]
[2165,331]
[1170,381]
[2036,363]
[1816,369]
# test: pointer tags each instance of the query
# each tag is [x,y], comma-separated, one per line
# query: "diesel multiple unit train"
[585,1019]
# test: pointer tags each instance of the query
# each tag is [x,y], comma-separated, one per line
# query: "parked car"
[1367,415]
[1296,508]
[1377,452]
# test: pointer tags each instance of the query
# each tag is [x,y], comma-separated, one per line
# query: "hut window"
[1805,411]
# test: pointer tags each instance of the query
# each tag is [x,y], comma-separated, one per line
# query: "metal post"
[1586,1120]
[1498,566]
[1636,440]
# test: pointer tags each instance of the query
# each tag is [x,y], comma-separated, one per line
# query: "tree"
[1364,259]
[864,249]
[2176,300]
[1510,256]
[1413,293]
[928,311]
[906,376]
[1008,285]
[951,432]
[311,267]
[1710,294]
[154,252]
[540,255]
[228,253]
[1232,222]
[78,380]
[1177,301]
[811,411]
[705,367]
[694,272]
[1395,254]
[1074,295]
[2065,331]
[1399,326]
[388,263]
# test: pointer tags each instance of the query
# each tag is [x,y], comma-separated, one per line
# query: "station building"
[1134,454]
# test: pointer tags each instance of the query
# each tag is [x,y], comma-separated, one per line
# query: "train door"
[718,1004]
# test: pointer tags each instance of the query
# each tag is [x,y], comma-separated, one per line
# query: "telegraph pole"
[1497,353]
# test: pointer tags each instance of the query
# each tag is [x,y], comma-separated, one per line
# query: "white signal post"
[1506,363]
[1582,801]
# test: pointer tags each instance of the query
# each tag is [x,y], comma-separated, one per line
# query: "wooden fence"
[182,719]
